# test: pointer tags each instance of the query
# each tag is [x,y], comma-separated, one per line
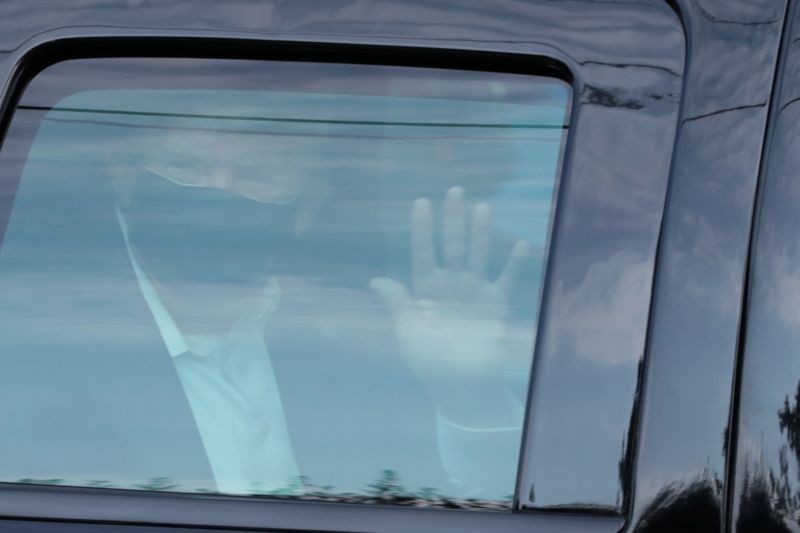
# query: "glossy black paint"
[766,494]
[681,471]
[663,90]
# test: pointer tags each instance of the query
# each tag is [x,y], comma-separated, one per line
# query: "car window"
[279,279]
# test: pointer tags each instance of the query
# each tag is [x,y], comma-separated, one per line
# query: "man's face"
[263,168]
[206,215]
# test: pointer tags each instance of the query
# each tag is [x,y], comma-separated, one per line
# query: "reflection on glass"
[324,287]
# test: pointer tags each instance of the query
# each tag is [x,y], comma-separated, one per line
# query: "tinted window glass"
[270,278]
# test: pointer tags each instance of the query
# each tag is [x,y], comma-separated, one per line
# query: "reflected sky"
[212,195]
[767,484]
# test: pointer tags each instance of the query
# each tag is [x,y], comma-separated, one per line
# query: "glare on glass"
[274,279]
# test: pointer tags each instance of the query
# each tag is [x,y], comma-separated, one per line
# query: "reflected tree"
[759,503]
[158,484]
[770,500]
[685,506]
[387,489]
[36,481]
[789,422]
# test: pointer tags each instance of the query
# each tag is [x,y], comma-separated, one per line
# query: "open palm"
[451,325]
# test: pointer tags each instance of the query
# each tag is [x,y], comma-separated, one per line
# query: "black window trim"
[169,509]
[74,504]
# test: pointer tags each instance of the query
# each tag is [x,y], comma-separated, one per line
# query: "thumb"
[395,297]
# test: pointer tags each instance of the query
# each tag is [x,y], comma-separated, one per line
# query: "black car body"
[677,180]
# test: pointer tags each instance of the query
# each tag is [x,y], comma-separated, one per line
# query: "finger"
[453,229]
[480,239]
[521,251]
[423,254]
[396,298]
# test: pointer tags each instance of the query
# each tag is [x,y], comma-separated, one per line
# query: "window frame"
[76,503]
[82,504]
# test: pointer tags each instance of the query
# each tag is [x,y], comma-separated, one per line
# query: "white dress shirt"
[233,395]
